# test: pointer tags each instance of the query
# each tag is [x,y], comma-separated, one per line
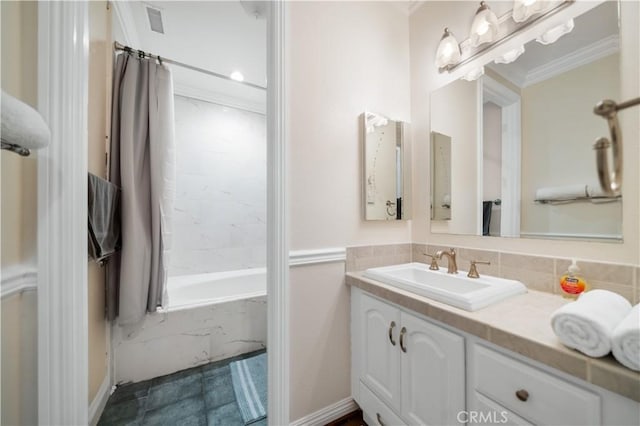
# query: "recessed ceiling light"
[237,76]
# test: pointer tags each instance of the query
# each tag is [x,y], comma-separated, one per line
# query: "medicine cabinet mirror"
[519,155]
[387,176]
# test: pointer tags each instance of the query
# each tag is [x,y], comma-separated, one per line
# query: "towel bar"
[611,182]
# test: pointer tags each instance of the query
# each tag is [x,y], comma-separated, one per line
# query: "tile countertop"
[521,324]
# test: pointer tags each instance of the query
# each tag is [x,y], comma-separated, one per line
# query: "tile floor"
[198,396]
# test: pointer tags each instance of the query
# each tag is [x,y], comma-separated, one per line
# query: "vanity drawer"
[537,396]
[376,412]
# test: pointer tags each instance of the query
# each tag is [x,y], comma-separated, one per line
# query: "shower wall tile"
[220,208]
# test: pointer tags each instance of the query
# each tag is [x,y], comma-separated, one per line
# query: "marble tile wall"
[220,207]
[166,342]
[536,272]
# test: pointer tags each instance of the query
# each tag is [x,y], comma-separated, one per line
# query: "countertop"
[520,324]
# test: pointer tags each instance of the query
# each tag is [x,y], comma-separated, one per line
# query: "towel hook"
[611,181]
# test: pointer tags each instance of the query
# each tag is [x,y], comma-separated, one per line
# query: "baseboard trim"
[328,414]
[100,401]
[17,279]
[312,257]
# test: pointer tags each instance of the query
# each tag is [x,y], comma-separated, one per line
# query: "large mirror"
[521,159]
[386,177]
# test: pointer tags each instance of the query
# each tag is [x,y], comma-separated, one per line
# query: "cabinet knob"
[403,331]
[380,419]
[391,327]
[522,395]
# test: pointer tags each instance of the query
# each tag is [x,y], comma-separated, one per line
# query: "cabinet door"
[380,364]
[433,373]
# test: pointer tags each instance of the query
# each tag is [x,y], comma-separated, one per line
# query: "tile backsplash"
[536,272]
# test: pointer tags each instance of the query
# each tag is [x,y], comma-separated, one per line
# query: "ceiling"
[594,36]
[220,36]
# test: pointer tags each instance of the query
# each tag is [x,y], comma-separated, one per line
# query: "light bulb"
[484,28]
[524,9]
[448,52]
[237,76]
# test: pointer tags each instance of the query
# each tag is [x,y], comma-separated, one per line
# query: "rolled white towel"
[588,323]
[560,193]
[626,340]
[22,125]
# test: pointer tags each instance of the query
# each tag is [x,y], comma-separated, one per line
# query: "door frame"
[63,59]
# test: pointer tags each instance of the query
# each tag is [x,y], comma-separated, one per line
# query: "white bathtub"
[188,291]
[209,317]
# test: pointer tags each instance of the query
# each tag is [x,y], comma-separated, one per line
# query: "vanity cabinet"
[407,368]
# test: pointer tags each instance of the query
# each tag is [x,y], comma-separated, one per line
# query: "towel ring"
[611,181]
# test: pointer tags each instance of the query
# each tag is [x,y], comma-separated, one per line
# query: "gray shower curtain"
[142,164]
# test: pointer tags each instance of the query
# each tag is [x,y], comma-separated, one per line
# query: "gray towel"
[104,218]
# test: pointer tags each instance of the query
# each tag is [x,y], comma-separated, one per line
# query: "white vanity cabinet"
[409,370]
[406,370]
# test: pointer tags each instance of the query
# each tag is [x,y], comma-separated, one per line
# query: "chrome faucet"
[452,266]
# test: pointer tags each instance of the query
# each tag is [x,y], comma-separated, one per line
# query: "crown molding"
[218,98]
[587,54]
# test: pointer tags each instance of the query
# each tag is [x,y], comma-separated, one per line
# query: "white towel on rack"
[22,125]
[560,193]
[588,323]
[626,340]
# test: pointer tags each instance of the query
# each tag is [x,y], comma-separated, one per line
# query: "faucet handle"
[434,262]
[473,270]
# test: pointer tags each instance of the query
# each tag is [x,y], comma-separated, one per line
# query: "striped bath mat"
[249,377]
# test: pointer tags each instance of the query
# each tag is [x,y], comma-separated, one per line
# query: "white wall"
[220,208]
[345,58]
[426,30]
[558,152]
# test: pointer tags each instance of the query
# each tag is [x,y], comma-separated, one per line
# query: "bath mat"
[249,377]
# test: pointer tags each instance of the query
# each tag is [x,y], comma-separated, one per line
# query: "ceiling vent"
[155,20]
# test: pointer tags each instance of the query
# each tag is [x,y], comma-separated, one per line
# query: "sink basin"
[456,290]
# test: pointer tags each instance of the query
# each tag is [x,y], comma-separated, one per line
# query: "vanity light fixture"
[524,9]
[510,56]
[484,28]
[555,33]
[448,53]
[474,74]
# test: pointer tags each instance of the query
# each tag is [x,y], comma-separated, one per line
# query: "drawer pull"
[403,331]
[391,327]
[522,394]
[380,419]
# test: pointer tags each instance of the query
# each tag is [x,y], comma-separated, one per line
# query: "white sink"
[456,290]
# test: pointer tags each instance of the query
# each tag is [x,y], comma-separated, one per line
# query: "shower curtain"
[142,164]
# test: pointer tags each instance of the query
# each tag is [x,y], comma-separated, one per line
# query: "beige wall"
[558,152]
[19,79]
[426,29]
[18,189]
[345,58]
[100,71]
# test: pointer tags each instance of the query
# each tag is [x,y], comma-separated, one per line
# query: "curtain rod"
[119,46]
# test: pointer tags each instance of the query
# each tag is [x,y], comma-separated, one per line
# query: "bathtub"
[208,317]
[188,291]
